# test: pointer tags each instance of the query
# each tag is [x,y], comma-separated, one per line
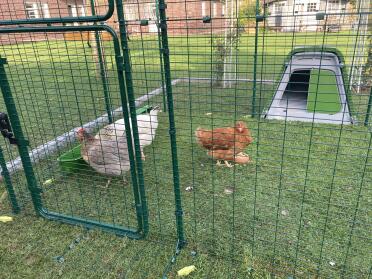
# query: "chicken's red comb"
[80,130]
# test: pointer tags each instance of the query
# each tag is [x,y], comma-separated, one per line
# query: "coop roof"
[328,49]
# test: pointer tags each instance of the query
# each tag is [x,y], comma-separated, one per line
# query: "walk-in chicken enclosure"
[297,206]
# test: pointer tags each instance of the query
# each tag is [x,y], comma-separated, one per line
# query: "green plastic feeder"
[72,161]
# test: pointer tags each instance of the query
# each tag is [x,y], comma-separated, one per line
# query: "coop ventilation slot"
[311,90]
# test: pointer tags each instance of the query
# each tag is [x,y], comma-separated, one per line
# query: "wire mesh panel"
[59,82]
[43,11]
[299,207]
[264,126]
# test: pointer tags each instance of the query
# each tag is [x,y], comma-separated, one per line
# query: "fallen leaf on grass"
[48,182]
[5,219]
[285,212]
[186,270]
[229,190]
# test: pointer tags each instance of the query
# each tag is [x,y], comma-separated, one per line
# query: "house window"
[299,8]
[214,9]
[75,10]
[311,7]
[45,10]
[37,10]
[333,5]
[149,11]
[204,8]
[131,12]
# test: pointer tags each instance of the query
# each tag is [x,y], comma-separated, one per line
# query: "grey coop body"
[291,97]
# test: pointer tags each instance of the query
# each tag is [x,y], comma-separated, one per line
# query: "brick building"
[136,11]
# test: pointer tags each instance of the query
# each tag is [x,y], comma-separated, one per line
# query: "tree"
[247,13]
[367,68]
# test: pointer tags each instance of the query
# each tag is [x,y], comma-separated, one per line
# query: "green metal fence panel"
[284,192]
[8,184]
[54,203]
[55,11]
[172,126]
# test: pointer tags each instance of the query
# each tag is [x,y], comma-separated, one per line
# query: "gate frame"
[64,20]
[138,190]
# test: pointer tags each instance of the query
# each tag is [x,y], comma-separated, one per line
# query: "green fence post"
[258,18]
[172,127]
[102,68]
[132,110]
[160,56]
[18,134]
[8,184]
[366,121]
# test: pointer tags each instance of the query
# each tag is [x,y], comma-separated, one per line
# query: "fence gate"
[55,80]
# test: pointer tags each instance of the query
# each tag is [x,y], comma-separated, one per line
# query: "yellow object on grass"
[5,219]
[48,182]
[186,270]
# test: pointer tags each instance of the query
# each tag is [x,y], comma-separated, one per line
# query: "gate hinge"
[139,209]
[260,18]
[179,212]
[163,25]
[165,50]
[172,132]
[144,22]
[120,61]
[122,66]
[206,19]
[162,6]
[6,129]
[3,60]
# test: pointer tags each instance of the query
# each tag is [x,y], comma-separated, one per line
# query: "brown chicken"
[231,139]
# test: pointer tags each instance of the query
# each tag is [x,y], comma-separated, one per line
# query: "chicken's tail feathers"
[155,110]
[198,132]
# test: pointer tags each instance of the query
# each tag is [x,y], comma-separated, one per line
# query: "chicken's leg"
[143,155]
[108,183]
[243,154]
[228,164]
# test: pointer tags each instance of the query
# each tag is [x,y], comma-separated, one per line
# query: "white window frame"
[312,7]
[279,6]
[333,5]
[45,10]
[32,10]
[131,12]
[214,9]
[204,8]
[37,10]
[299,8]
[76,10]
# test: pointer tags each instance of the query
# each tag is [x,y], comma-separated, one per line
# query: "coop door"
[51,86]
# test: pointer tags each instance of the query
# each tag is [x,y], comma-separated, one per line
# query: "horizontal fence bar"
[68,19]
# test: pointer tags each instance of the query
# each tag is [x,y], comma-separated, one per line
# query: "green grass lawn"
[292,211]
[323,93]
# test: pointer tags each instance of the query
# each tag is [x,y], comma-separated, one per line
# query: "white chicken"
[147,125]
[107,151]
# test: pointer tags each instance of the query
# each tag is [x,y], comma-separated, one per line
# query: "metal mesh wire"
[300,208]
